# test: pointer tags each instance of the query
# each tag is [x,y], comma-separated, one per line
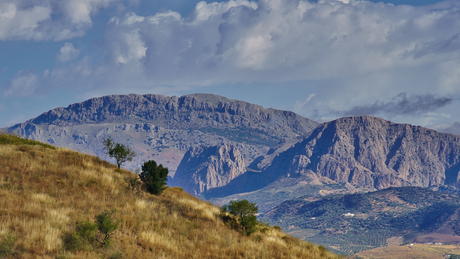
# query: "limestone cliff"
[163,128]
[368,151]
[207,167]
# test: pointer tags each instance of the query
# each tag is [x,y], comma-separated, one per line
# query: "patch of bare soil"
[395,241]
[438,238]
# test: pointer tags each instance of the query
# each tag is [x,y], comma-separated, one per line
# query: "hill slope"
[355,222]
[45,190]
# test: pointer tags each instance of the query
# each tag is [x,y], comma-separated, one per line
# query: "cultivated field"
[416,251]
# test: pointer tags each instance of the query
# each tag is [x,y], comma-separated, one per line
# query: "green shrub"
[84,236]
[86,233]
[245,212]
[154,177]
[6,245]
[133,183]
[106,226]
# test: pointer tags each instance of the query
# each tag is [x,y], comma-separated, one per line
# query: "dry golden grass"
[44,192]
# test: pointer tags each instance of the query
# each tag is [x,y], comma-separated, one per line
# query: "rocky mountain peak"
[368,152]
[211,113]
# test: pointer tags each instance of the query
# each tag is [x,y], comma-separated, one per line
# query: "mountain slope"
[165,127]
[350,154]
[356,222]
[371,152]
[204,168]
[44,191]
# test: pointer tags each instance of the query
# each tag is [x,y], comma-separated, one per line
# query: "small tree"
[154,177]
[245,212]
[120,152]
[106,226]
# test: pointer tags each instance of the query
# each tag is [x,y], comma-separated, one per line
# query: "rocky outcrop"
[163,128]
[368,151]
[207,167]
[243,121]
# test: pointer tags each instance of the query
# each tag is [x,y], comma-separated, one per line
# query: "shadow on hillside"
[247,182]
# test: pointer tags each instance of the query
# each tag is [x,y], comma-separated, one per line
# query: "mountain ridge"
[369,151]
[165,127]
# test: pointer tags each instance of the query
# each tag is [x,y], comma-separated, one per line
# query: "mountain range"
[164,128]
[222,149]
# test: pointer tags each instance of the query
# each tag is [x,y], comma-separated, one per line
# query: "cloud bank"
[350,54]
[47,19]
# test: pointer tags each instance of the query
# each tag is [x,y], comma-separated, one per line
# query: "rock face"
[371,152]
[196,111]
[204,168]
[163,128]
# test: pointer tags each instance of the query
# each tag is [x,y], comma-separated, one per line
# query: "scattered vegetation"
[15,140]
[377,216]
[154,177]
[50,200]
[120,152]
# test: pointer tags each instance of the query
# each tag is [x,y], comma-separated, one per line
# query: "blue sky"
[323,59]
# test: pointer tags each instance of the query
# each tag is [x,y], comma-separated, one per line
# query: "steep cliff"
[371,152]
[204,168]
[211,113]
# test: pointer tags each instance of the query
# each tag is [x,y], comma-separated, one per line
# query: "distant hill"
[164,128]
[47,193]
[355,222]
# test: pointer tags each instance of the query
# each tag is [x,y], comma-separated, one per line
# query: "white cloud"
[271,40]
[33,20]
[351,53]
[23,84]
[67,52]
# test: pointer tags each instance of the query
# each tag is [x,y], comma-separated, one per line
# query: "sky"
[323,59]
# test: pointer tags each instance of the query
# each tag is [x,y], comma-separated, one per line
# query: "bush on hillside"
[106,226]
[154,177]
[85,235]
[244,211]
[6,245]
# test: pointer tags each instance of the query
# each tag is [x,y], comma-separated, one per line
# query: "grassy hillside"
[407,214]
[45,191]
